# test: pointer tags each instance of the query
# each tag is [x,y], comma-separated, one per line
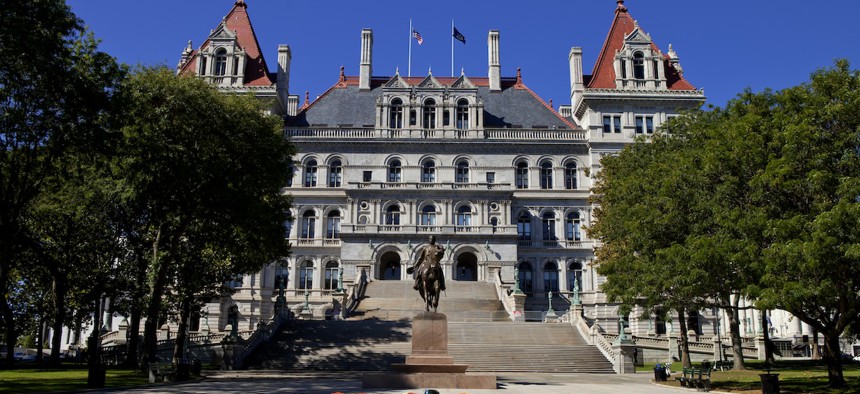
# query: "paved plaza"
[247,382]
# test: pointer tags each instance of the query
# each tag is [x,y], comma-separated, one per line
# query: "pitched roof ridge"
[598,66]
[310,105]
[256,43]
[547,106]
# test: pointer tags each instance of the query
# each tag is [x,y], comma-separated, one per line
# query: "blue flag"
[459,36]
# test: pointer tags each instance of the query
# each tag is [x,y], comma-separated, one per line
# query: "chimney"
[283,85]
[366,69]
[495,67]
[576,85]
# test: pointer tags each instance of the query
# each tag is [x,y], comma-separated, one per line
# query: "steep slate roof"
[237,20]
[603,75]
[514,106]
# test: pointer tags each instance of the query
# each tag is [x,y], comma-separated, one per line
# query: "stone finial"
[342,75]
[621,6]
[550,104]
[240,3]
[462,71]
[307,100]
[397,70]
[519,76]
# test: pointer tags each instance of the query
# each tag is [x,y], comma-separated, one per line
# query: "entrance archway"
[389,266]
[467,267]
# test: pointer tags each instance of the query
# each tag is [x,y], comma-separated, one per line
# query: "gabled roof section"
[463,83]
[397,82]
[603,75]
[237,23]
[430,82]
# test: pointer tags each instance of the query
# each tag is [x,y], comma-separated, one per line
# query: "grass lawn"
[28,380]
[801,376]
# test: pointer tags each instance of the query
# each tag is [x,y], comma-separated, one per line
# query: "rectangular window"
[645,124]
[612,123]
[367,176]
[446,118]
[491,177]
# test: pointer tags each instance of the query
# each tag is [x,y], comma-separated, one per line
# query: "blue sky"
[724,46]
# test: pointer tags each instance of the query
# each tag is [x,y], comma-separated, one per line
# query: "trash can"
[196,367]
[659,373]
[96,376]
[769,383]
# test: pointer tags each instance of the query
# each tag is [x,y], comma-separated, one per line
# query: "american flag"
[416,35]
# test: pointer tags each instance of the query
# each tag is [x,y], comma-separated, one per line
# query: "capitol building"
[500,177]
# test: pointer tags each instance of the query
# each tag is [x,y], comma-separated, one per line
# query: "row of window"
[220,63]
[572,227]
[644,124]
[428,112]
[394,174]
[306,275]
[550,277]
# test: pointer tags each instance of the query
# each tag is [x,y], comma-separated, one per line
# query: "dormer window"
[638,65]
[395,119]
[220,62]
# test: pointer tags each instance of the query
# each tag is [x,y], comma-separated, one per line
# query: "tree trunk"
[133,338]
[768,347]
[833,359]
[40,336]
[8,316]
[685,344]
[182,333]
[59,289]
[94,345]
[735,328]
[816,352]
[150,332]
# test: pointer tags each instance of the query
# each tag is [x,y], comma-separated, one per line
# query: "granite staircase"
[479,334]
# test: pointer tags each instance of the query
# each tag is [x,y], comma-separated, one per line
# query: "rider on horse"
[431,254]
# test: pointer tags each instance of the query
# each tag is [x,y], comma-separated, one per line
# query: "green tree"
[193,163]
[811,190]
[54,89]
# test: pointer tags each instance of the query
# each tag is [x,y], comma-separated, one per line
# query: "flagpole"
[409,69]
[452,47]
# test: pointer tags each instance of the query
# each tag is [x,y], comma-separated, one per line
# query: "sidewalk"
[247,382]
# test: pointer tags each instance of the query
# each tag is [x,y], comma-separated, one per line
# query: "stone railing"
[260,336]
[354,297]
[431,185]
[540,134]
[505,296]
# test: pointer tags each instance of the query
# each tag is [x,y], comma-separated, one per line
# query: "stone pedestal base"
[429,365]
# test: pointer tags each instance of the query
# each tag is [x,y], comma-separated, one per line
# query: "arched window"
[548,220]
[574,274]
[332,226]
[392,215]
[428,216]
[526,278]
[572,231]
[221,62]
[394,171]
[309,222]
[462,175]
[570,175]
[395,118]
[428,172]
[430,114]
[463,114]
[550,277]
[522,175]
[524,227]
[330,279]
[464,216]
[335,174]
[638,65]
[311,173]
[546,175]
[306,275]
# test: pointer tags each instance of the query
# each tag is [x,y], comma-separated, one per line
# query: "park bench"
[164,370]
[698,378]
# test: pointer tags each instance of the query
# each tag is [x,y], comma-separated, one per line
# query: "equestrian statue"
[429,280]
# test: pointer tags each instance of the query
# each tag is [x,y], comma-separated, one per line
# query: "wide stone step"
[373,345]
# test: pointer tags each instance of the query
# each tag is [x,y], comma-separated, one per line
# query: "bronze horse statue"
[430,285]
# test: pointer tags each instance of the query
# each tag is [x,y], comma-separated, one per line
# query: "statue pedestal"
[429,365]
